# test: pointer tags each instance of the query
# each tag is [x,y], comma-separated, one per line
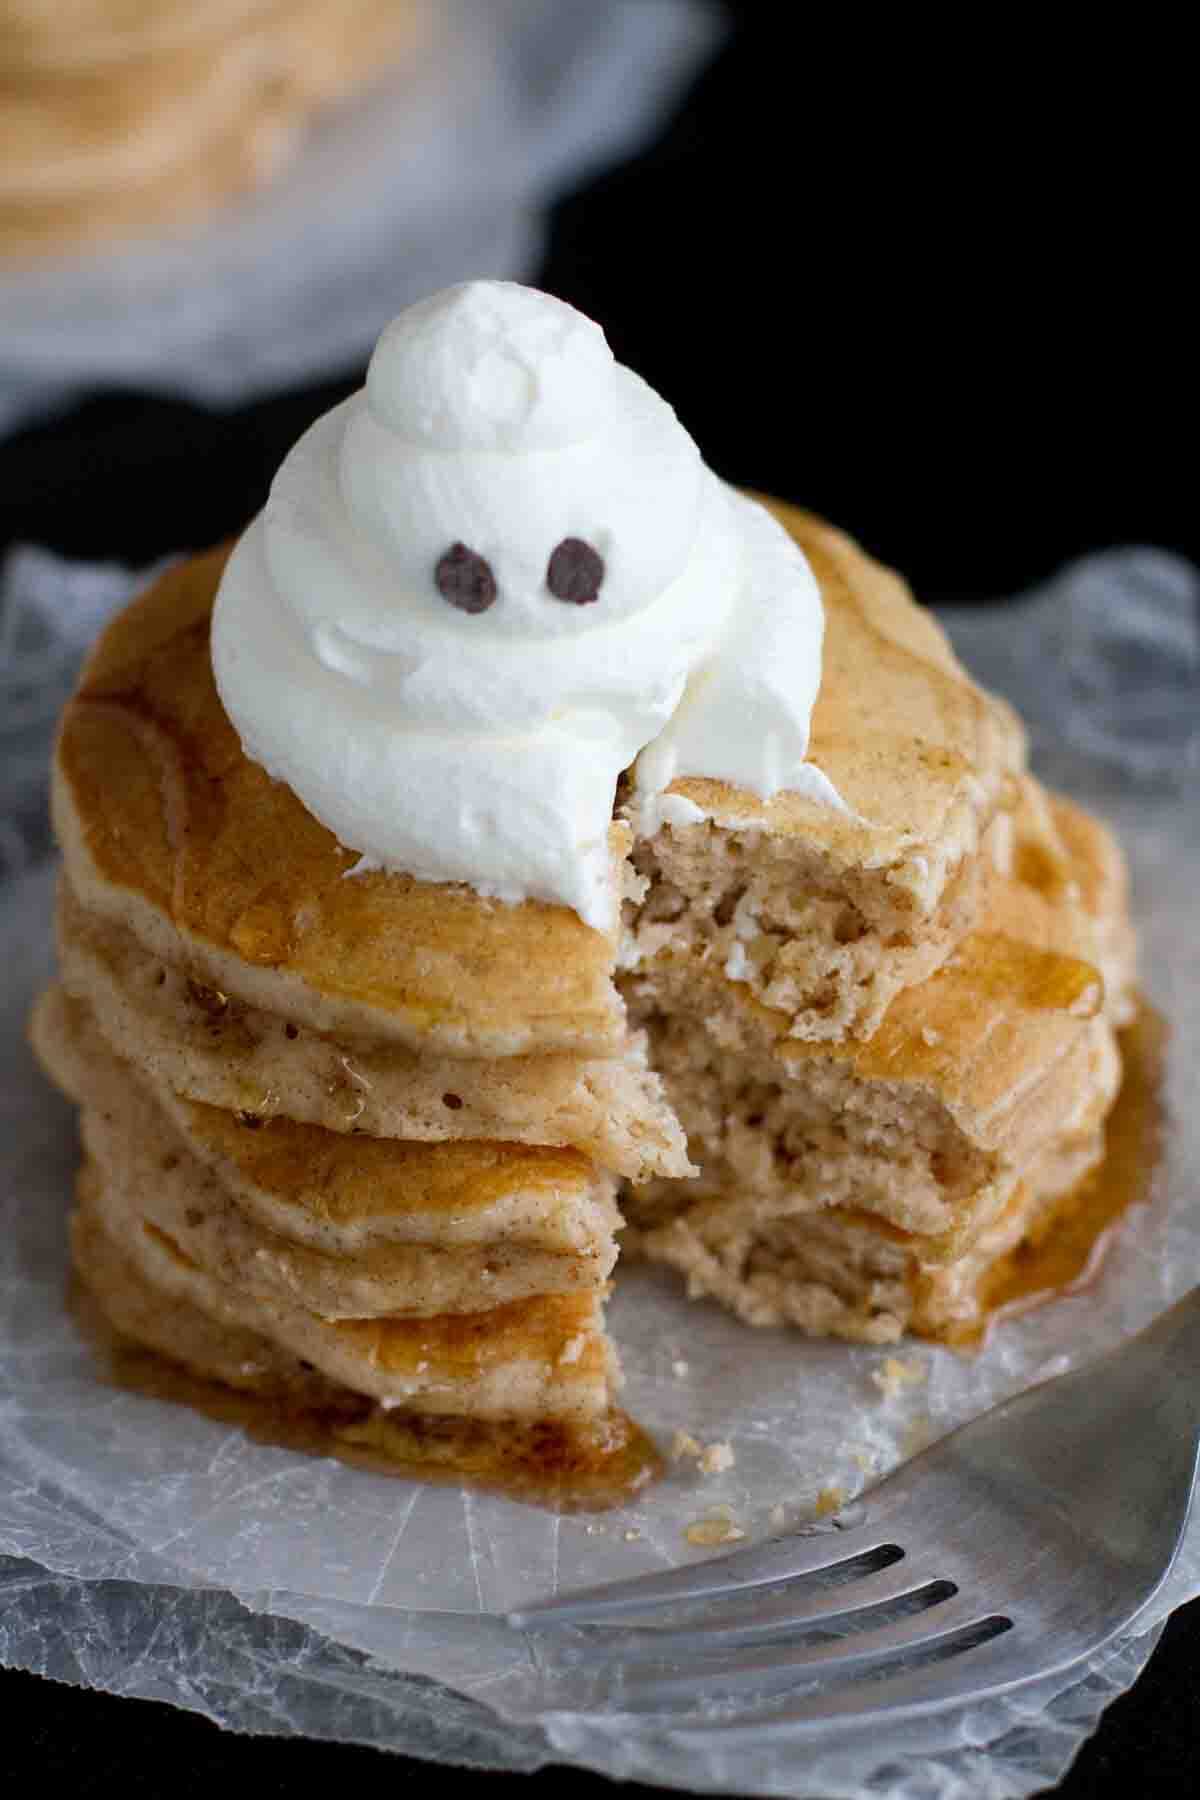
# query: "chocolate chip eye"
[574,572]
[465,579]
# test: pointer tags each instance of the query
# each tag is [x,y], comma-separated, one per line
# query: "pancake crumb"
[711,1459]
[829,1500]
[716,1458]
[715,1530]
[894,1375]
[684,1444]
[918,1435]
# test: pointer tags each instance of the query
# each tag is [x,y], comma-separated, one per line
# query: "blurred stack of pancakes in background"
[122,117]
[356,1144]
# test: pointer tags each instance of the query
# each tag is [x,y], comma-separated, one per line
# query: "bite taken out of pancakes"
[865,1188]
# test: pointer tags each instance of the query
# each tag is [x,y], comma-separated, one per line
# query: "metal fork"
[1008,1552]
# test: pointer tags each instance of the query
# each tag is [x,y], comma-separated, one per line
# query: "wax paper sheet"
[440,172]
[154,1552]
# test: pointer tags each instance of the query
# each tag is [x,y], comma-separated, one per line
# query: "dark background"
[935,291]
[931,285]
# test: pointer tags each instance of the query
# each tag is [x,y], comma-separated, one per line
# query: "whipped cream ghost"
[491,581]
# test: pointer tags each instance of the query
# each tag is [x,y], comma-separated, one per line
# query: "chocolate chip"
[574,572]
[465,580]
[453,1101]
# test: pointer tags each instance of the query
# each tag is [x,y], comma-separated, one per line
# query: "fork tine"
[1056,1545]
[998,1666]
[786,1615]
[763,1565]
[774,1669]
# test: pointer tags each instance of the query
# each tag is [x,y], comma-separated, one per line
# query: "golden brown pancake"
[164,1345]
[971,1078]
[545,1357]
[343,1218]
[825,913]
[200,1042]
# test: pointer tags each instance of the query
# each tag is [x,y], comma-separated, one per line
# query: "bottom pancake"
[169,1349]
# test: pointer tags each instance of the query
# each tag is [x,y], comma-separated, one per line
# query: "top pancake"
[917,751]
[168,829]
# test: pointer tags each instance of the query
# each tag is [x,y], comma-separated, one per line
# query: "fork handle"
[1140,1404]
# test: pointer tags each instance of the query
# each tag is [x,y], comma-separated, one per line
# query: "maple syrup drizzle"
[1065,1249]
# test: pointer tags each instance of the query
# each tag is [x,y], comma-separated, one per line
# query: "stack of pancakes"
[355,1141]
[127,115]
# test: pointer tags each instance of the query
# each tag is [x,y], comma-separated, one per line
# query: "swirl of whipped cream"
[484,745]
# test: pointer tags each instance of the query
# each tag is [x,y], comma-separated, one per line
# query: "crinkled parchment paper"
[154,1552]
[440,172]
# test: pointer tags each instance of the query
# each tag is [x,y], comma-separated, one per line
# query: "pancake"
[971,1078]
[137,1153]
[201,1043]
[1098,868]
[59,35]
[339,1212]
[177,1330]
[123,118]
[165,1346]
[843,1274]
[827,914]
[546,1357]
